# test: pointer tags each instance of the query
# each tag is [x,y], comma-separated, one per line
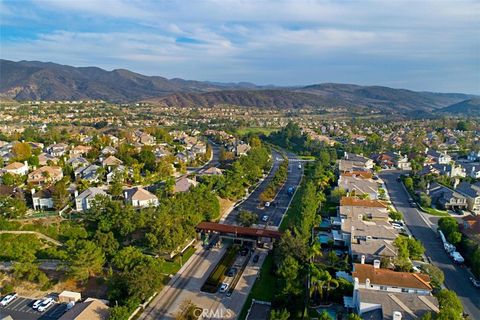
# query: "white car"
[224,287]
[299,166]
[265,218]
[267,204]
[46,304]
[7,299]
[37,303]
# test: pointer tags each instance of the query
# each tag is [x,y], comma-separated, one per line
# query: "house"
[372,277]
[471,169]
[84,199]
[80,150]
[140,198]
[184,184]
[90,309]
[356,185]
[108,151]
[44,158]
[472,193]
[45,174]
[89,172]
[57,149]
[111,162]
[434,156]
[473,156]
[383,305]
[446,198]
[212,171]
[16,168]
[242,149]
[43,199]
[363,209]
[77,162]
[369,250]
[393,160]
[116,170]
[358,161]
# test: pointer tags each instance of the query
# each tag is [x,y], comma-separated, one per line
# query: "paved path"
[38,234]
[456,277]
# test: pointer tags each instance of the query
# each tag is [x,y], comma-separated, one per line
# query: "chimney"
[367,283]
[455,183]
[376,264]
[345,155]
[75,194]
[125,194]
[26,163]
[397,315]
[362,259]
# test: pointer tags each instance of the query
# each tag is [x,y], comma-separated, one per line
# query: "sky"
[418,45]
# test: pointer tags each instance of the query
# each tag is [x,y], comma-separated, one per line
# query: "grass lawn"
[218,274]
[256,130]
[172,267]
[294,209]
[435,212]
[264,288]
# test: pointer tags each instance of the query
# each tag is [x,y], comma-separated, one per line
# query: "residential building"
[184,184]
[383,305]
[446,198]
[43,199]
[57,149]
[139,197]
[434,156]
[45,158]
[472,194]
[84,200]
[372,277]
[355,185]
[16,168]
[111,162]
[45,174]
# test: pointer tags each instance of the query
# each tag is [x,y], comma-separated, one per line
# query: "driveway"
[422,228]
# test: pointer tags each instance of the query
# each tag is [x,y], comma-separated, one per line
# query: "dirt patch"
[225,205]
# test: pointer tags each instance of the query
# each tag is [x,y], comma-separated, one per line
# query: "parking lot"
[21,309]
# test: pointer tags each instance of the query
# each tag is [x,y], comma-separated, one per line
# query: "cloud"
[382,41]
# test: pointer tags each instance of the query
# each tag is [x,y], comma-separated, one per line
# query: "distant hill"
[33,80]
[470,107]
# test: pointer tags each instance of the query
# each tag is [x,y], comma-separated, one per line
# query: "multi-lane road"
[456,277]
[186,284]
[282,200]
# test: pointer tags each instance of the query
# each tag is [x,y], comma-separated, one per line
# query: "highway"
[456,277]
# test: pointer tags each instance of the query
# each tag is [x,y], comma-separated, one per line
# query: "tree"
[21,151]
[395,215]
[425,200]
[107,241]
[12,207]
[281,314]
[448,299]
[324,316]
[60,195]
[247,218]
[116,186]
[353,316]
[288,271]
[85,259]
[435,273]
[408,182]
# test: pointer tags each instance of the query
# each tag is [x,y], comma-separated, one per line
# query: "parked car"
[267,204]
[37,303]
[46,304]
[232,272]
[299,166]
[475,282]
[7,299]
[224,287]
[244,251]
[265,218]
[256,258]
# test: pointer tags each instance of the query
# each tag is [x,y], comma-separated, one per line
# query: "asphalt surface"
[281,202]
[21,309]
[456,277]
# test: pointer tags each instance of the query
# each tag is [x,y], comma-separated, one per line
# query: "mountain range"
[33,80]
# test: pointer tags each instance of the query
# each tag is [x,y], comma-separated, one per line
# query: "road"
[186,284]
[281,202]
[456,277]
